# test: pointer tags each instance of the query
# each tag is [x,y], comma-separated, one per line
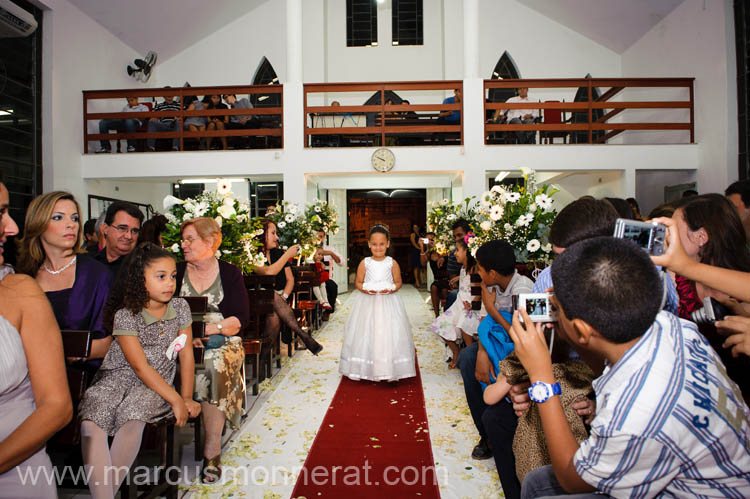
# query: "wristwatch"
[540,391]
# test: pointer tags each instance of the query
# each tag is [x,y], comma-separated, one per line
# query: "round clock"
[383,159]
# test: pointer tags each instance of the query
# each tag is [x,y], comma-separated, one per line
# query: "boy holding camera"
[668,420]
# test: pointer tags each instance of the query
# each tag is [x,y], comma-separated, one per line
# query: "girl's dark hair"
[470,260]
[129,290]
[264,237]
[726,246]
[151,229]
[623,208]
[379,229]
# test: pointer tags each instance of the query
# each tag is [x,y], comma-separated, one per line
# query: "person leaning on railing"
[240,121]
[129,125]
[166,123]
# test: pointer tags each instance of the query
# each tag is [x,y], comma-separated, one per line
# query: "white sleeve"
[625,465]
[341,259]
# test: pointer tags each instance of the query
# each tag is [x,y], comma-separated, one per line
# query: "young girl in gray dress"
[134,384]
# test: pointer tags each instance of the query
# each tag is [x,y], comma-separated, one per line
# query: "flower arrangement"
[522,215]
[293,228]
[443,215]
[322,216]
[239,245]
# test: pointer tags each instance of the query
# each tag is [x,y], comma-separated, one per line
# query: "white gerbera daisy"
[496,212]
[486,198]
[533,245]
[512,197]
[282,225]
[544,202]
[289,218]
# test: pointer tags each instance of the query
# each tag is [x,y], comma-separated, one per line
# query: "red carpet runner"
[373,441]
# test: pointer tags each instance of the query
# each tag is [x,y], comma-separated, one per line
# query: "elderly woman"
[279,266]
[219,385]
[34,397]
[76,285]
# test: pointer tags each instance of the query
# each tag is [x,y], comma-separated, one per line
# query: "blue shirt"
[455,115]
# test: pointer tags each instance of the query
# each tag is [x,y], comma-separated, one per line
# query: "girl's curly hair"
[129,290]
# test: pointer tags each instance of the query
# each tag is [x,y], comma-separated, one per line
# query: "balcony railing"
[269,120]
[372,114]
[652,102]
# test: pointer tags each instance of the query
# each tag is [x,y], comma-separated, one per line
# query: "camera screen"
[639,235]
[536,306]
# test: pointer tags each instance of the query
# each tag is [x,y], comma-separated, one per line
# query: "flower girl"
[378,344]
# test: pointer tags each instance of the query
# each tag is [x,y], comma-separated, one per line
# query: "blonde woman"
[219,385]
[76,285]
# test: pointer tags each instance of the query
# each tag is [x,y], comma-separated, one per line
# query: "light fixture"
[395,42]
[501,176]
[374,44]
[211,180]
[381,1]
[6,112]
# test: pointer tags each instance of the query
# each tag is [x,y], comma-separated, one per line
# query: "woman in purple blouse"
[76,285]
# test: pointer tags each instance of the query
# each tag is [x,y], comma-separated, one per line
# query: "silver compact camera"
[537,305]
[648,235]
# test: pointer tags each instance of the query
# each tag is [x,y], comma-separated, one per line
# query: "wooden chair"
[260,291]
[75,344]
[553,117]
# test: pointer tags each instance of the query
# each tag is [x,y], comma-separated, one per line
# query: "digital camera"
[711,311]
[649,236]
[537,305]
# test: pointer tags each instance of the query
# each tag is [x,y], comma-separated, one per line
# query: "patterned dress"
[457,317]
[117,395]
[220,380]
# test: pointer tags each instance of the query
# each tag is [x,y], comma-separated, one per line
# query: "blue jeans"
[495,423]
[128,125]
[160,126]
[541,482]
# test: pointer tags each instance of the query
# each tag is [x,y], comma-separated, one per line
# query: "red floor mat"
[373,441]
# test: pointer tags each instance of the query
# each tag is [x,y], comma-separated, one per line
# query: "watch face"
[383,159]
[539,392]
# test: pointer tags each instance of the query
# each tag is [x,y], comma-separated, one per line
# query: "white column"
[339,240]
[471,39]
[294,180]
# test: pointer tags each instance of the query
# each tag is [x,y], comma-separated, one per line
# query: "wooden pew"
[75,344]
[260,295]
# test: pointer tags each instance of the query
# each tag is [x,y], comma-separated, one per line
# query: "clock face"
[383,159]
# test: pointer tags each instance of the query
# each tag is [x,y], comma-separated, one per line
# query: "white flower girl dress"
[378,344]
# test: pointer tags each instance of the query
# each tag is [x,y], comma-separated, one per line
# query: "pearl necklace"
[63,268]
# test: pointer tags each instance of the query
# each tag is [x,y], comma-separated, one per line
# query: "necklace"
[55,272]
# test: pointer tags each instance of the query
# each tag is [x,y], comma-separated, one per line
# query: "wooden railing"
[381,124]
[590,117]
[270,118]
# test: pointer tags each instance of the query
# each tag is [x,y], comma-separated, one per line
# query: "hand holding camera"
[650,236]
[537,306]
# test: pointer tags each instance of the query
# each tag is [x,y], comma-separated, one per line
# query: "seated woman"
[711,232]
[219,385]
[278,261]
[217,122]
[195,123]
[76,285]
[34,396]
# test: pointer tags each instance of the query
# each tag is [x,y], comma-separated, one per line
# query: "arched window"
[504,69]
[582,95]
[265,75]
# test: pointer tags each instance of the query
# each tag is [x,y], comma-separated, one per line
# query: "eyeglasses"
[124,229]
[189,241]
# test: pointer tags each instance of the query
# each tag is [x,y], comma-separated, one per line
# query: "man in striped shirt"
[669,421]
[165,123]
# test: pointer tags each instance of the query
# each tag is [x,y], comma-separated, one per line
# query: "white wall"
[231,55]
[77,54]
[650,186]
[697,39]
[136,191]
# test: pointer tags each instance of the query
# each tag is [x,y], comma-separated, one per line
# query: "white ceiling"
[615,24]
[164,26]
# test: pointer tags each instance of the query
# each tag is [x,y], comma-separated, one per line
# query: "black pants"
[332,289]
[495,423]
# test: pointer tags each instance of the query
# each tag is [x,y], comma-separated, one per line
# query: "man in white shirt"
[330,257]
[127,125]
[517,116]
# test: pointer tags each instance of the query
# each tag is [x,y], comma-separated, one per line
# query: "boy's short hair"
[582,219]
[462,224]
[609,283]
[90,226]
[741,187]
[498,256]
